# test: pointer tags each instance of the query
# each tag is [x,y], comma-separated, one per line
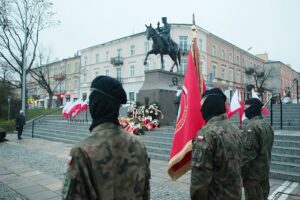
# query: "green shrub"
[9,126]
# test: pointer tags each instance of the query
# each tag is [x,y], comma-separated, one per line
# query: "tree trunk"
[50,101]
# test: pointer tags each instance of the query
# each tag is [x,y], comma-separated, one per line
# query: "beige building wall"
[63,77]
[132,51]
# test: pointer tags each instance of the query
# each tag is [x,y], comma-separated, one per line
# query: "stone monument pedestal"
[158,87]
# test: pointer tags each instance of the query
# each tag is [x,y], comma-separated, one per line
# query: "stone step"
[59,134]
[159,144]
[66,132]
[286,150]
[158,156]
[285,158]
[287,166]
[289,137]
[286,143]
[68,141]
[158,150]
[157,139]
[284,175]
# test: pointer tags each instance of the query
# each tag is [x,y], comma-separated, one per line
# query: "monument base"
[159,87]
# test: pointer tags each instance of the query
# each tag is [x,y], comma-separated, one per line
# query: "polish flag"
[75,108]
[84,105]
[265,110]
[235,105]
[65,111]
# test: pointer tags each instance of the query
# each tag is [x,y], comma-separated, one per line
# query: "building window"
[243,62]
[132,50]
[97,58]
[131,96]
[238,60]
[107,55]
[201,44]
[107,72]
[118,74]
[96,73]
[147,47]
[85,60]
[230,57]
[76,67]
[132,71]
[183,43]
[183,66]
[214,71]
[238,76]
[213,50]
[223,72]
[231,75]
[223,54]
[119,52]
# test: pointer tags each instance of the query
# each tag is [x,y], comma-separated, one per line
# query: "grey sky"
[270,26]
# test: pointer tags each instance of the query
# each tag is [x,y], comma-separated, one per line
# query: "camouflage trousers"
[256,190]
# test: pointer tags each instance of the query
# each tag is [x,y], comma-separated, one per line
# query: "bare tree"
[259,76]
[21,22]
[41,74]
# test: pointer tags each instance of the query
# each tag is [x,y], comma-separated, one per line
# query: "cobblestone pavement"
[34,168]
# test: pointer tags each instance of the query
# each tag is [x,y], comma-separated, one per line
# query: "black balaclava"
[254,109]
[107,95]
[214,104]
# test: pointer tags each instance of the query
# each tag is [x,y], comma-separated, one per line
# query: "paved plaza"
[34,168]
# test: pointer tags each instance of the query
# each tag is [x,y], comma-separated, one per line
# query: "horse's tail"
[179,58]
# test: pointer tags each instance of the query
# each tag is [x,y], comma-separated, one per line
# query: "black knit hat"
[253,101]
[214,92]
[109,87]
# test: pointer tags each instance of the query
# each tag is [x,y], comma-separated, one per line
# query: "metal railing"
[33,121]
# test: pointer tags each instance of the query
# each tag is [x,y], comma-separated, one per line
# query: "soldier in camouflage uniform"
[216,153]
[110,164]
[258,140]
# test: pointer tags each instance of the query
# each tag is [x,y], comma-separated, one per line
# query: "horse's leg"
[171,70]
[162,61]
[150,52]
[175,62]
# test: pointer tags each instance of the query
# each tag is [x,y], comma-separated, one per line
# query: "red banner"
[189,122]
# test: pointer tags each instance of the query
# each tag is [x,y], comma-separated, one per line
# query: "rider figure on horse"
[164,32]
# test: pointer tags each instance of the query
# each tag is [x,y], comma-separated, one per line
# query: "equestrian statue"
[162,43]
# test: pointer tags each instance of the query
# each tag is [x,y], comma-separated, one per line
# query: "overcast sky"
[270,26]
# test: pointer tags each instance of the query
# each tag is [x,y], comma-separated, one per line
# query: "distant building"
[283,79]
[222,64]
[63,78]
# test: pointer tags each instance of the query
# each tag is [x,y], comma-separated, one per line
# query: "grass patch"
[10,125]
[34,113]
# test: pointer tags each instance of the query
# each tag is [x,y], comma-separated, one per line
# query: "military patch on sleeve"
[196,157]
[200,137]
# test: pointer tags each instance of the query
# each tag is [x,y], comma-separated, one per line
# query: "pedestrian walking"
[216,153]
[258,138]
[20,122]
[111,163]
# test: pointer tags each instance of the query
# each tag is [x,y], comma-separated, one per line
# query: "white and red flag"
[75,108]
[66,109]
[84,105]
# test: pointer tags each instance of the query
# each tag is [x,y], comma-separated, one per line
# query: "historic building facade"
[63,78]
[222,64]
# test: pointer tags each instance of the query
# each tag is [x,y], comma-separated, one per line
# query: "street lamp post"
[24,64]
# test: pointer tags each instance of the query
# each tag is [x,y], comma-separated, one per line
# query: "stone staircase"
[285,154]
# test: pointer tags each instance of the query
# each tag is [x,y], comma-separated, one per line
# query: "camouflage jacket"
[216,161]
[110,164]
[258,138]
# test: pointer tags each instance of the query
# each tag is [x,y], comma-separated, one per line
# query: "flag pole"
[196,54]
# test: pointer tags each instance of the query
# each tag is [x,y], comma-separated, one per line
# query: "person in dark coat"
[20,122]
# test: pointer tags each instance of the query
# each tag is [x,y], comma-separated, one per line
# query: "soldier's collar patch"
[200,138]
[69,160]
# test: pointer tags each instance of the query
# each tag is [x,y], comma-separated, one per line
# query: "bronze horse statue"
[159,47]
